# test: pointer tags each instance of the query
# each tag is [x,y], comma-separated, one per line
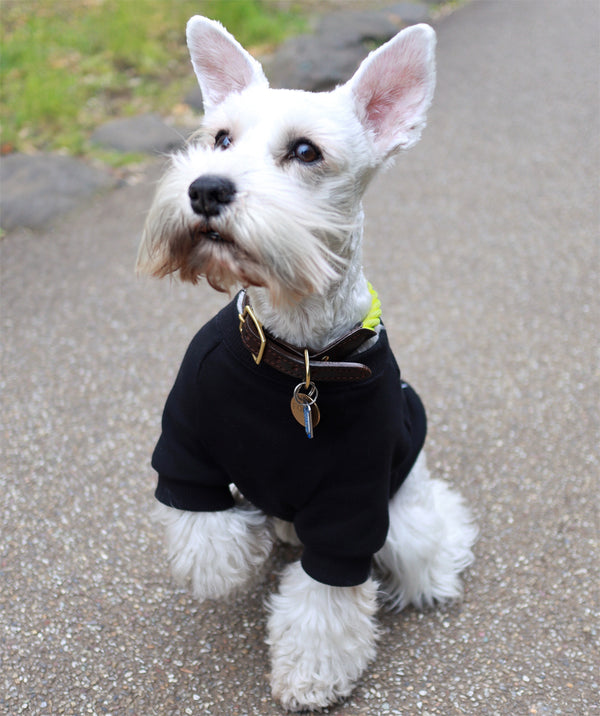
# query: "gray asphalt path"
[483,243]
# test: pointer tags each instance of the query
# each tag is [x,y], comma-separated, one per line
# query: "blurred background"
[68,66]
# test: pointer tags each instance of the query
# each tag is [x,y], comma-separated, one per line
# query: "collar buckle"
[263,341]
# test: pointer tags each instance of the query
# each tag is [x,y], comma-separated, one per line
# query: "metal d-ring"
[307,369]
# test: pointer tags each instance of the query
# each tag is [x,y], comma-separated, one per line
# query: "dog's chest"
[245,423]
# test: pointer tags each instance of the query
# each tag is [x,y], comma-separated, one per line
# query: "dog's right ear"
[393,88]
[221,64]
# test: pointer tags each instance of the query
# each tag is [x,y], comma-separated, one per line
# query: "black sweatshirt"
[228,421]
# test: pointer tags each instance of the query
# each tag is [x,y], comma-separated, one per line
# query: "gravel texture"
[483,244]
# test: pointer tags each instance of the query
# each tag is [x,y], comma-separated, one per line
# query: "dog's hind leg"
[321,639]
[218,552]
[429,542]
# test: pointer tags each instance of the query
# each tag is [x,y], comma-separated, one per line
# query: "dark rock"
[194,99]
[305,63]
[407,13]
[145,133]
[329,57]
[351,29]
[35,189]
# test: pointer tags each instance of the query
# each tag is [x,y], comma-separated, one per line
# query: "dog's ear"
[393,88]
[221,64]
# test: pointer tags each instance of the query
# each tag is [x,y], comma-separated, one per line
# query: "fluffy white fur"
[218,553]
[321,639]
[293,236]
[428,543]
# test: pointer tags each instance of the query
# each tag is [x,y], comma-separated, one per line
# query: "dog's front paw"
[321,639]
[218,552]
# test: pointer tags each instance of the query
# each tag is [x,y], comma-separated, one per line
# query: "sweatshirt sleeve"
[340,531]
[188,478]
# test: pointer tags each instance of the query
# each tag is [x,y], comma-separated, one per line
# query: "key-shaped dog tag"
[308,421]
[305,409]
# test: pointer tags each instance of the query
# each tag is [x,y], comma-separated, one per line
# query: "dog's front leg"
[321,639]
[218,552]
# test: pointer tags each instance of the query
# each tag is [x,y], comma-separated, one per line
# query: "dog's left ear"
[221,64]
[393,88]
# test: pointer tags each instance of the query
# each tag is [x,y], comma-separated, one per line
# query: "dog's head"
[268,192]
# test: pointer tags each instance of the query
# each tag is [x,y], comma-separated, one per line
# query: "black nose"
[210,193]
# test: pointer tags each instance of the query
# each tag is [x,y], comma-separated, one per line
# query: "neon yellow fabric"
[373,318]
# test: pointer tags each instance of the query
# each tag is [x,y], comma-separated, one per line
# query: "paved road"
[483,243]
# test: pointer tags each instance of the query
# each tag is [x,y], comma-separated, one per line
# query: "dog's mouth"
[207,233]
[220,258]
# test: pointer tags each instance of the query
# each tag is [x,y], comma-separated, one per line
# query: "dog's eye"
[223,140]
[305,151]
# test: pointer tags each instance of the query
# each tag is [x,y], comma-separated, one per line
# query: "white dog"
[291,394]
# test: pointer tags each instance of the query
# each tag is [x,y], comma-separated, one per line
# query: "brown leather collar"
[327,364]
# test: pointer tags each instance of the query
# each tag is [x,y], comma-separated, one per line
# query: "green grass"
[69,65]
